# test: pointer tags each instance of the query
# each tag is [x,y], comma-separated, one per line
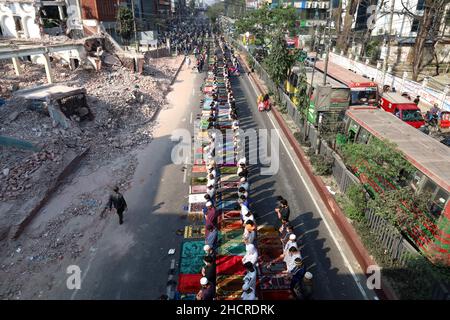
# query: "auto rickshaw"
[263,102]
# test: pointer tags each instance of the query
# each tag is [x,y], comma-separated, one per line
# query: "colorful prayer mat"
[198,197]
[189,283]
[194,232]
[235,248]
[277,295]
[199,169]
[231,235]
[276,268]
[196,207]
[228,205]
[274,282]
[191,257]
[229,287]
[229,265]
[227,225]
[198,189]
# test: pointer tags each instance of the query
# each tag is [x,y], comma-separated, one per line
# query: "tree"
[125,22]
[428,32]
[192,5]
[279,61]
[343,42]
[214,11]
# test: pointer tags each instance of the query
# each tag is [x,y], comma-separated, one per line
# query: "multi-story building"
[311,13]
[30,19]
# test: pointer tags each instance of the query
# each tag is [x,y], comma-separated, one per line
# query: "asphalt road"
[131,261]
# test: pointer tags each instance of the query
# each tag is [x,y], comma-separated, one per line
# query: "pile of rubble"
[123,104]
[19,179]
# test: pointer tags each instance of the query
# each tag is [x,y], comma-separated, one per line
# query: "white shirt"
[253,258]
[249,236]
[244,185]
[211,192]
[250,278]
[288,245]
[290,261]
[248,296]
[245,218]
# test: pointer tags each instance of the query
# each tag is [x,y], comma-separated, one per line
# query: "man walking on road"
[117,200]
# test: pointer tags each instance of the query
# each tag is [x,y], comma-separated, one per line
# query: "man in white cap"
[304,289]
[292,242]
[248,293]
[251,254]
[207,292]
[289,257]
[244,211]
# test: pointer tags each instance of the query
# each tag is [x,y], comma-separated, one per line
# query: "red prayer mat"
[227,225]
[198,169]
[189,283]
[198,189]
[276,295]
[229,265]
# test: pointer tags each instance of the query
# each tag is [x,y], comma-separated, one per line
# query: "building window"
[18,23]
[415,25]
[420,5]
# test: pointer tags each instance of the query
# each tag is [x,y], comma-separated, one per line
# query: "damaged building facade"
[32,19]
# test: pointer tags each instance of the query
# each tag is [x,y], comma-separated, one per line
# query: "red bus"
[362,91]
[431,160]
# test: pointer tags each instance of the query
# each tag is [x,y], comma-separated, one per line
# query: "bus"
[431,161]
[363,92]
[339,94]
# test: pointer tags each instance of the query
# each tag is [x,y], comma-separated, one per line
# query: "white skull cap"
[203,281]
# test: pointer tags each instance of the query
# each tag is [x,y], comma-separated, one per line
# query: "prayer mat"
[274,282]
[196,207]
[277,295]
[198,189]
[264,229]
[270,253]
[199,162]
[276,268]
[192,257]
[223,191]
[235,248]
[229,185]
[228,170]
[228,225]
[233,214]
[195,181]
[194,232]
[189,283]
[230,178]
[229,287]
[229,265]
[198,197]
[229,196]
[199,169]
[233,235]
[269,241]
[196,217]
[229,205]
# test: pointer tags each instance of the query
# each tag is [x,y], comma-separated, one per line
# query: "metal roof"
[424,152]
[395,97]
[341,73]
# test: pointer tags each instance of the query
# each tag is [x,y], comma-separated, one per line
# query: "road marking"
[190,121]
[344,257]
[185,170]
[169,290]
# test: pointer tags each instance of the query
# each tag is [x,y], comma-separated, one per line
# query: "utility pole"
[327,54]
[134,26]
[388,51]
